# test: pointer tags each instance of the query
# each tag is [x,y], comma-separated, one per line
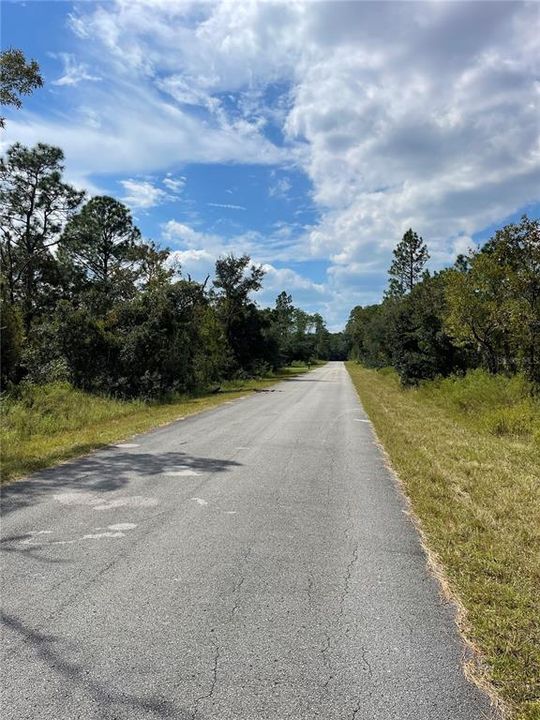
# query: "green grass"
[467,451]
[43,425]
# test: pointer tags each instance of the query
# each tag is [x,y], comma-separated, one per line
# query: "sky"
[309,135]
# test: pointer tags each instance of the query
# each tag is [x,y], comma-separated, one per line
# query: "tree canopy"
[17,77]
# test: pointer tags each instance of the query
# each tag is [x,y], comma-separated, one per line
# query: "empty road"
[255,561]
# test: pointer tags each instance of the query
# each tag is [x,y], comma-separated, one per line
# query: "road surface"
[255,561]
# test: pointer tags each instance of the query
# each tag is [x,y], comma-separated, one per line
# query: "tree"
[322,337]
[407,268]
[241,322]
[369,330]
[475,314]
[516,248]
[102,244]
[421,348]
[17,77]
[10,342]
[153,268]
[35,205]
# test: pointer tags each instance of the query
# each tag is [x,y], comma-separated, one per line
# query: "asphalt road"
[254,561]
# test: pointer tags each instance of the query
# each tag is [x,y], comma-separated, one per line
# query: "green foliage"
[55,407]
[111,313]
[17,77]
[421,348]
[35,205]
[407,268]
[11,340]
[498,404]
[100,243]
[485,311]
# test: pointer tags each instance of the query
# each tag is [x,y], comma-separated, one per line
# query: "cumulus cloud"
[142,194]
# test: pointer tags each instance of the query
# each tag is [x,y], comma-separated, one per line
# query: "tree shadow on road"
[103,472]
[109,703]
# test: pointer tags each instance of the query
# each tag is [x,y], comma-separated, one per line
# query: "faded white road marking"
[133,501]
[111,531]
[360,420]
[121,526]
[127,445]
[230,512]
[182,473]
[31,540]
[40,532]
[200,501]
[100,501]
[242,447]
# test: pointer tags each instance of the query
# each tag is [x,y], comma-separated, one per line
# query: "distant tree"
[303,336]
[322,338]
[101,242]
[421,347]
[17,77]
[234,281]
[370,332]
[35,205]
[407,268]
[281,322]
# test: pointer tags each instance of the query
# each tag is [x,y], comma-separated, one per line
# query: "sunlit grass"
[43,425]
[467,453]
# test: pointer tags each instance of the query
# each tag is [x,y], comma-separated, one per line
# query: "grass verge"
[50,423]
[467,452]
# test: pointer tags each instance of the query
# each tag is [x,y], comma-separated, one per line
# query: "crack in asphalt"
[326,660]
[356,709]
[237,584]
[213,682]
[348,574]
[309,589]
[236,590]
[366,663]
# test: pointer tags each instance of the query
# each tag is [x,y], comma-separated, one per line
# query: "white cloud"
[74,72]
[142,194]
[176,185]
[280,188]
[228,206]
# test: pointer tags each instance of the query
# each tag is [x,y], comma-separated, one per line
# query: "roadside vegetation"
[44,424]
[467,451]
[448,368]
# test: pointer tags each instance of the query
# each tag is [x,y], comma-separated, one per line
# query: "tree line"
[86,299]
[484,311]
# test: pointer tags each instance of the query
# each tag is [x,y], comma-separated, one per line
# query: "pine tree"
[410,257]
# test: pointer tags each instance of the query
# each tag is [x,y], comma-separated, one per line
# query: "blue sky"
[309,135]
